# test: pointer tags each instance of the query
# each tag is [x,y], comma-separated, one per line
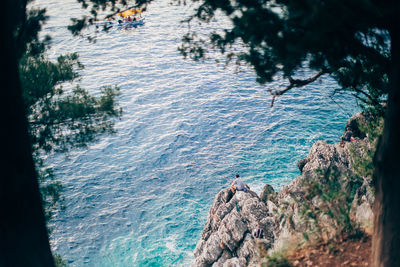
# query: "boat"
[133,23]
[128,18]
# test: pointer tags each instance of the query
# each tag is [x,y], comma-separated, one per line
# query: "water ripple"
[141,197]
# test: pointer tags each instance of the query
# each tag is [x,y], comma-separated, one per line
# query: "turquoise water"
[141,197]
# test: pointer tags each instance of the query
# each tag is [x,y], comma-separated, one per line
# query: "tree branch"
[295,83]
[368,96]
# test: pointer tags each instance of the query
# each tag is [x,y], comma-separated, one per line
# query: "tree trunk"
[23,234]
[386,237]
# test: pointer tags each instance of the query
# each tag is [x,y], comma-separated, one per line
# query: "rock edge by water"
[312,206]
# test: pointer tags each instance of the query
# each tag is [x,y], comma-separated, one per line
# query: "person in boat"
[347,136]
[238,185]
[134,19]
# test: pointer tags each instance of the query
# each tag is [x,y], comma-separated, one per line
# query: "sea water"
[141,197]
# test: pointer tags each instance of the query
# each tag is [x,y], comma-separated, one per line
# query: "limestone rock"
[235,262]
[327,170]
[227,236]
[305,206]
[226,255]
[361,207]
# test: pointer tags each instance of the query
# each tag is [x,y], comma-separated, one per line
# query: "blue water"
[141,197]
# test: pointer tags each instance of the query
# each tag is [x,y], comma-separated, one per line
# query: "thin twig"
[295,83]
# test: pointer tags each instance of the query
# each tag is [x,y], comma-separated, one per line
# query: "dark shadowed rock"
[301,164]
[355,123]
[268,193]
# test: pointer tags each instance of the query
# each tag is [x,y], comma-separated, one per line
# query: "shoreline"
[306,210]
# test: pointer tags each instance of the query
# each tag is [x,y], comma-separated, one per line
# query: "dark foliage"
[59,119]
[348,40]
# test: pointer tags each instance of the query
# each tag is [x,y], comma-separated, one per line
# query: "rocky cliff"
[329,198]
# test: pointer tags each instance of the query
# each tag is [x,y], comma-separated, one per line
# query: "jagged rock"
[235,262]
[361,207]
[324,158]
[231,230]
[247,247]
[326,169]
[226,255]
[303,208]
[209,251]
[227,234]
